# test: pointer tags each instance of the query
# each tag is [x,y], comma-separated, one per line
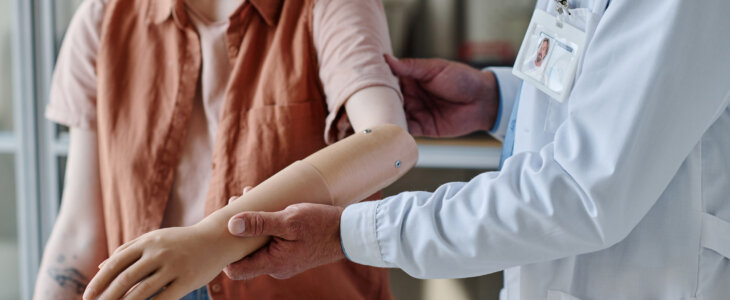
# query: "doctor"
[621,191]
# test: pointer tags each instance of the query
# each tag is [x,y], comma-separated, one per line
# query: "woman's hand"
[173,259]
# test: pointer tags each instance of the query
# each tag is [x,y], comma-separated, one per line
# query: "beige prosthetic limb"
[340,174]
[184,258]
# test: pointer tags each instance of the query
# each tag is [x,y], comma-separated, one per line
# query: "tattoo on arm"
[69,278]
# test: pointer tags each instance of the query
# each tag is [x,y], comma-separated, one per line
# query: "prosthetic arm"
[182,259]
[343,173]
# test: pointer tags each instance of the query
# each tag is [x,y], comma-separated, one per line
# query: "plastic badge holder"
[549,55]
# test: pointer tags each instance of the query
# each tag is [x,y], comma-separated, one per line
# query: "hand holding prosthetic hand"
[183,259]
[446,99]
[304,236]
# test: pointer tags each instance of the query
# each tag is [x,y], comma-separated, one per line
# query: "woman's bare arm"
[78,242]
[376,105]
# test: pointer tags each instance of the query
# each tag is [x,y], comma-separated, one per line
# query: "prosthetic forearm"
[342,173]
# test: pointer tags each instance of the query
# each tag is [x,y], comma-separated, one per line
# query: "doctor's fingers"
[278,224]
[423,120]
[234,198]
[414,128]
[422,124]
[110,270]
[414,94]
[256,264]
[131,276]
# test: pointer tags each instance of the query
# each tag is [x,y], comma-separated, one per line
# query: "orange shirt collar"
[161,10]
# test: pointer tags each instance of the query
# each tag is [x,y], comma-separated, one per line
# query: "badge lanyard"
[562,6]
[550,52]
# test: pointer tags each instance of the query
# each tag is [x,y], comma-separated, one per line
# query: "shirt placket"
[234,37]
[184,97]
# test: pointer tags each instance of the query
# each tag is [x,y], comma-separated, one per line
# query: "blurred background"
[33,151]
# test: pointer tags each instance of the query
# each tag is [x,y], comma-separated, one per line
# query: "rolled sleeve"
[73,88]
[350,37]
[509,86]
[358,232]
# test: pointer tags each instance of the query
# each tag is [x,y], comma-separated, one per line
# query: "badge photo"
[549,55]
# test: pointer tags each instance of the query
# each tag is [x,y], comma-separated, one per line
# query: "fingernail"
[102,264]
[236,226]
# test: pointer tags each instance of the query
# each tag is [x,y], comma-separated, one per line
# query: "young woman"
[175,106]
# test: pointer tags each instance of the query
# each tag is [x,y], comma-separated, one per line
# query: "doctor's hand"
[304,236]
[445,99]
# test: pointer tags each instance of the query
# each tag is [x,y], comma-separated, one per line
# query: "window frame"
[25,152]
[33,140]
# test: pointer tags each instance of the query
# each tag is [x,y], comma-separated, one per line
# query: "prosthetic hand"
[175,261]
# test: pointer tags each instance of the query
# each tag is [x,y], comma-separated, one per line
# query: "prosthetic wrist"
[343,173]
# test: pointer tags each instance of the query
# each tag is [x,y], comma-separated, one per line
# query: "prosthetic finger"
[112,267]
[149,287]
[130,277]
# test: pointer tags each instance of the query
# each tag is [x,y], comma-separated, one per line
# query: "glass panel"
[64,10]
[61,175]
[63,131]
[9,260]
[6,76]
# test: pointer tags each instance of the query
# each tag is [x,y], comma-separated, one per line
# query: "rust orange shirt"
[277,119]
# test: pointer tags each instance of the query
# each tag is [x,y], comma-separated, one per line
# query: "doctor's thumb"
[400,67]
[416,68]
[252,224]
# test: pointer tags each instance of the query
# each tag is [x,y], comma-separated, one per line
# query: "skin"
[314,227]
[446,99]
[291,230]
[308,235]
[542,52]
[78,242]
[215,10]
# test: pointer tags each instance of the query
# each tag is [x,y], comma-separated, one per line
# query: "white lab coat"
[620,192]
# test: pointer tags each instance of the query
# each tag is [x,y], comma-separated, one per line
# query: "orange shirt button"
[215,288]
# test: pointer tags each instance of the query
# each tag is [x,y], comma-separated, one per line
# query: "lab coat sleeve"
[508,86]
[655,77]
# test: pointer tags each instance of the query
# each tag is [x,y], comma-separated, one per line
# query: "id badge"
[549,55]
